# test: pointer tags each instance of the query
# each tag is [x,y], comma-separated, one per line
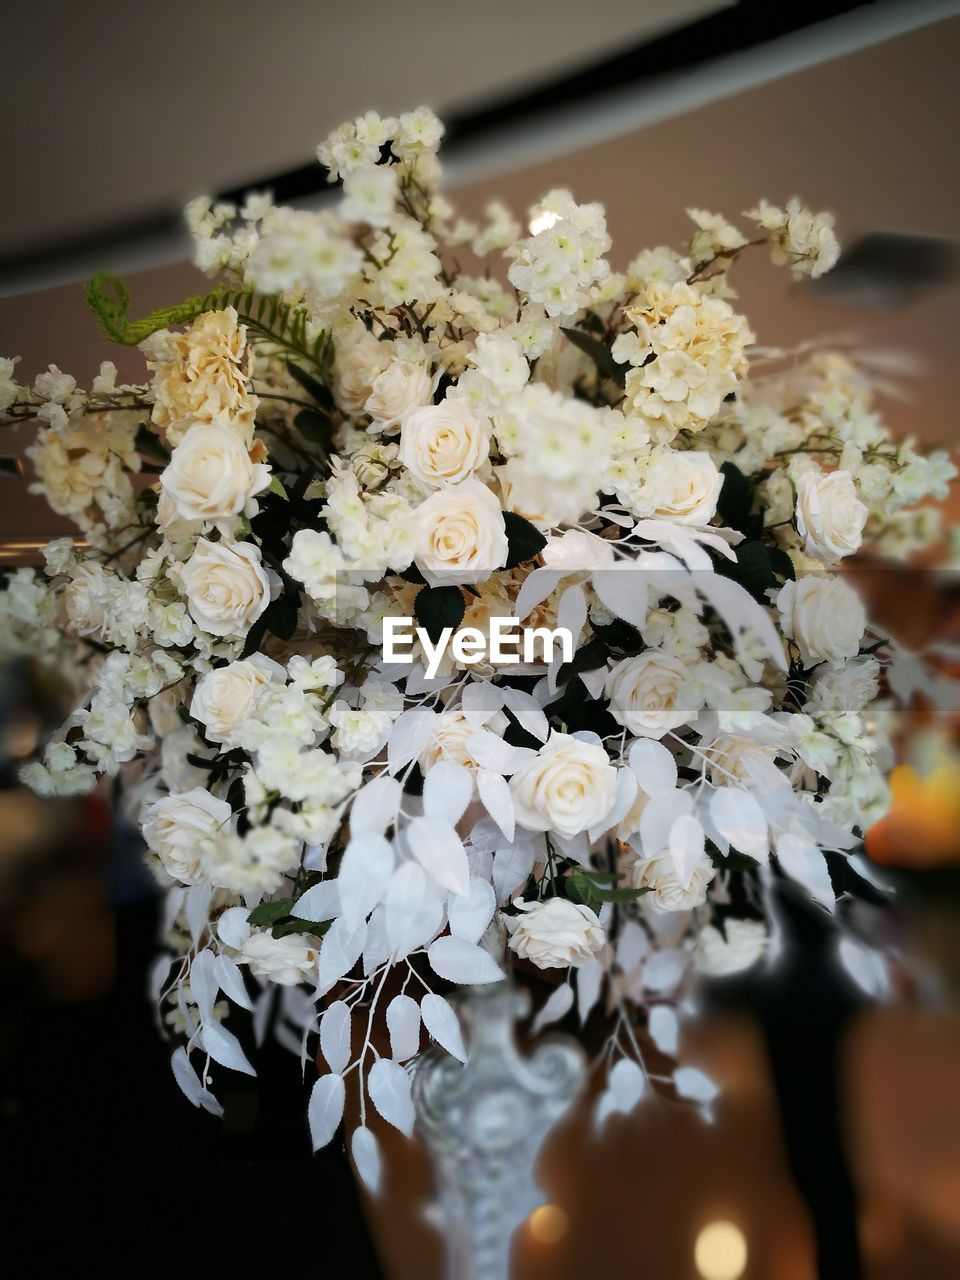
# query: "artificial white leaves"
[325,1110]
[389,1088]
[460,961]
[442,1023]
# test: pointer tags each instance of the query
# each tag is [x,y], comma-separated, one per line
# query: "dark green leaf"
[315,427]
[270,912]
[599,353]
[736,497]
[284,927]
[524,539]
[439,607]
[149,445]
[315,389]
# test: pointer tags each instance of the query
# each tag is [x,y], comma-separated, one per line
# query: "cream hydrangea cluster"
[351,428]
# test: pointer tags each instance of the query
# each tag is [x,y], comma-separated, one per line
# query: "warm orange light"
[720,1251]
[923,825]
[548,1224]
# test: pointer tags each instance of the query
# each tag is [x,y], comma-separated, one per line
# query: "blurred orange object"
[922,828]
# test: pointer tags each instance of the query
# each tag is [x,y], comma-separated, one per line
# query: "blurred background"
[836,1151]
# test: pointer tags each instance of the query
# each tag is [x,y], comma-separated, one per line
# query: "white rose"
[285,961]
[450,737]
[556,933]
[226,696]
[442,444]
[401,387]
[462,536]
[659,874]
[176,772]
[84,598]
[568,787]
[357,365]
[175,827]
[848,688]
[744,944]
[210,475]
[824,616]
[648,693]
[682,486]
[227,589]
[830,516]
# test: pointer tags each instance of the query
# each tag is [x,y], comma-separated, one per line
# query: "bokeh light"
[720,1251]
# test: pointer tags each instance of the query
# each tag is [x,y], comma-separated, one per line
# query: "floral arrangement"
[352,426]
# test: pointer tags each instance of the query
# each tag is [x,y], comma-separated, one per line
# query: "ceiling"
[137,108]
[868,135]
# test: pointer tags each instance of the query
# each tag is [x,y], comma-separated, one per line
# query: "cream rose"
[210,475]
[451,733]
[202,375]
[227,588]
[84,598]
[830,516]
[568,787]
[647,693]
[401,387]
[360,359]
[442,444]
[285,961]
[462,536]
[227,696]
[556,933]
[659,874]
[682,486]
[824,616]
[176,827]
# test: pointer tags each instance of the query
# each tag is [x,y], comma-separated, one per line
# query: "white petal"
[375,807]
[403,1024]
[339,952]
[691,1083]
[232,927]
[460,961]
[557,1005]
[204,983]
[366,1156]
[528,712]
[389,1088]
[664,1028]
[439,850]
[664,969]
[802,861]
[512,865]
[442,1023]
[447,789]
[471,912]
[365,872]
[325,1110]
[739,819]
[627,1083]
[659,816]
[624,592]
[231,982]
[494,792]
[589,982]
[335,1036]
[654,766]
[481,699]
[320,903]
[686,845]
[408,737]
[224,1047]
